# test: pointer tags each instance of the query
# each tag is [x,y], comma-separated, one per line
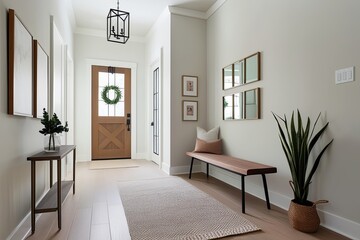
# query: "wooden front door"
[111,122]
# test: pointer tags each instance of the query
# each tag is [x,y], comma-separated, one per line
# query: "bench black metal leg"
[207,170]
[191,166]
[243,192]
[266,191]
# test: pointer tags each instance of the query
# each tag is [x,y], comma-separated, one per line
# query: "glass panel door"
[156,111]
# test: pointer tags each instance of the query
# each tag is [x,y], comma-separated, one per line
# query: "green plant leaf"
[297,143]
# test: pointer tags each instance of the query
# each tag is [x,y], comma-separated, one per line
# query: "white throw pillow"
[208,136]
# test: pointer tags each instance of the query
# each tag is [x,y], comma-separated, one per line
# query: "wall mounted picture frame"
[252,68]
[189,86]
[238,106]
[239,73]
[228,107]
[190,110]
[242,72]
[233,106]
[228,77]
[41,80]
[252,104]
[20,67]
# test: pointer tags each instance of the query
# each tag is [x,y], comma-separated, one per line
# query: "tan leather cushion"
[208,147]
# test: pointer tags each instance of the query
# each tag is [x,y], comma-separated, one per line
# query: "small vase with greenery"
[52,126]
[298,145]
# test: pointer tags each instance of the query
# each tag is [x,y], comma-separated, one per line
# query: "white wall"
[302,44]
[180,43]
[188,57]
[19,136]
[158,49]
[98,48]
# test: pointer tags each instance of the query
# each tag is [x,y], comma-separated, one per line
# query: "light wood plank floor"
[95,212]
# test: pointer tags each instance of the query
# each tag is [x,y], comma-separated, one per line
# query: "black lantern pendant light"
[118,25]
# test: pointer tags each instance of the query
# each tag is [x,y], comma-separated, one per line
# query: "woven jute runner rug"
[170,208]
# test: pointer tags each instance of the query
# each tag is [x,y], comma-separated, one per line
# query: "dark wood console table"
[53,199]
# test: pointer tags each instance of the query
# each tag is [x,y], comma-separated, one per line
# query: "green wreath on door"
[106,99]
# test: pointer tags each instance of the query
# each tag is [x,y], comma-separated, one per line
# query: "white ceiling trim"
[197,14]
[187,12]
[214,8]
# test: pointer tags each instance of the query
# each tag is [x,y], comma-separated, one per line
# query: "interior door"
[111,122]
[156,115]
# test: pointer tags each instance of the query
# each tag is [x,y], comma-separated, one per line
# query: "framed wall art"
[41,80]
[20,67]
[189,86]
[190,110]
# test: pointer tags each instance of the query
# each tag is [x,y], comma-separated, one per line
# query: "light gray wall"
[302,43]
[188,57]
[19,136]
[158,49]
[92,47]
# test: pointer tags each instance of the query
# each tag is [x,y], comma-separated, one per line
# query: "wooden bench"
[235,165]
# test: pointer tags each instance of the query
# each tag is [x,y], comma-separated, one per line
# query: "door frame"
[153,157]
[133,67]
[156,62]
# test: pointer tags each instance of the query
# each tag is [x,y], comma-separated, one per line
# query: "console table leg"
[74,163]
[33,187]
[59,192]
[51,173]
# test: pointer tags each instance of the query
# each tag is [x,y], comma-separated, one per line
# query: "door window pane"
[110,79]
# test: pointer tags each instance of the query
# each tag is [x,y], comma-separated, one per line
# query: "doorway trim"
[156,64]
[133,67]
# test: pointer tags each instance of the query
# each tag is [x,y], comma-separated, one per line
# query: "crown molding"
[187,12]
[197,14]
[214,8]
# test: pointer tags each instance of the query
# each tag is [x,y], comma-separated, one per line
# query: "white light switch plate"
[344,75]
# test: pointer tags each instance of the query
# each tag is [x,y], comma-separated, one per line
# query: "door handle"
[152,124]
[128,121]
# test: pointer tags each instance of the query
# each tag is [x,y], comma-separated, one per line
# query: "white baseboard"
[331,221]
[140,156]
[83,158]
[340,225]
[184,169]
[165,167]
[24,227]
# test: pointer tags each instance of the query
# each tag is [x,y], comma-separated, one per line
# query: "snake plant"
[297,143]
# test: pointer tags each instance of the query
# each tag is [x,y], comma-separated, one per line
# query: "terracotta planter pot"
[304,218]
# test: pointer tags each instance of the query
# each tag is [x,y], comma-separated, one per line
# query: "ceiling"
[91,14]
